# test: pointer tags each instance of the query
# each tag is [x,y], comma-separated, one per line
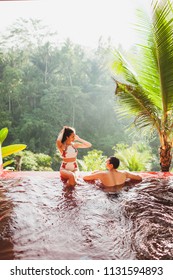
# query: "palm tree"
[145,87]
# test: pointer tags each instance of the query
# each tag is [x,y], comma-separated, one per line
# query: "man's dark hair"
[114,161]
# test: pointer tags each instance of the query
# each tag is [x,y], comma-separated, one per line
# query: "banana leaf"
[8,162]
[11,149]
[3,134]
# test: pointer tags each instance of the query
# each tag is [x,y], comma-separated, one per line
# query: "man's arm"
[92,176]
[133,176]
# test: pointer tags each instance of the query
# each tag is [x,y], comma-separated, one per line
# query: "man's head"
[112,162]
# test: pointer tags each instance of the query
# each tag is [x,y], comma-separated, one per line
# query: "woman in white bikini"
[68,143]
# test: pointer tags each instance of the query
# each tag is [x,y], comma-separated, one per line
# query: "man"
[112,177]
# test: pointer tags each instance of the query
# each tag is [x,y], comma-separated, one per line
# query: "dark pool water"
[40,218]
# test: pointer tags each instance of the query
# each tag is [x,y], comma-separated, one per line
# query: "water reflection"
[151,213]
[6,236]
[41,218]
[68,198]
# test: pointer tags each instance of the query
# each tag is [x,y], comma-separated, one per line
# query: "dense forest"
[46,84]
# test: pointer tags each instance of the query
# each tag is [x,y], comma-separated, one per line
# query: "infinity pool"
[40,218]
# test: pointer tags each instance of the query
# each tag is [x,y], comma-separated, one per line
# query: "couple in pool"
[68,142]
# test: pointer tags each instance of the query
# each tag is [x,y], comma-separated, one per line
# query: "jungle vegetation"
[45,85]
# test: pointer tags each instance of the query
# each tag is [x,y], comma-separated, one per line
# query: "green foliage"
[10,149]
[35,162]
[8,162]
[43,161]
[138,157]
[3,134]
[45,86]
[144,86]
[94,160]
[28,161]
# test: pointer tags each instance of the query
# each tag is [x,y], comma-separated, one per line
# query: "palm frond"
[147,66]
[163,33]
[132,96]
[146,88]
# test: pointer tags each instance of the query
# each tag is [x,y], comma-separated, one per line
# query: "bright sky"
[83,21]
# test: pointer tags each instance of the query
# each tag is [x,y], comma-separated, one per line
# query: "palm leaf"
[147,65]
[149,94]
[11,149]
[132,96]
[163,34]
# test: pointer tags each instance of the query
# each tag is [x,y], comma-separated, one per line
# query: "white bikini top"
[70,152]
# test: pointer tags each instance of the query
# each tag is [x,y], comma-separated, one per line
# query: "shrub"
[94,160]
[138,157]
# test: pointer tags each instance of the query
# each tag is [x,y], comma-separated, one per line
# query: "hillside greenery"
[46,84]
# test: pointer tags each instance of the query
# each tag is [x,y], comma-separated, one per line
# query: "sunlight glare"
[84,22]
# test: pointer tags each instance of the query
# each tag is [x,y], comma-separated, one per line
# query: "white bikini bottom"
[69,166]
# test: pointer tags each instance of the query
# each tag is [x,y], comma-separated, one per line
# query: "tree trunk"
[165,157]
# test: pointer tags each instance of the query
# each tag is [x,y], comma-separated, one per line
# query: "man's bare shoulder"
[133,176]
[102,173]
[122,171]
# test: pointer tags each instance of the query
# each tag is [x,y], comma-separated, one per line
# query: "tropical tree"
[145,85]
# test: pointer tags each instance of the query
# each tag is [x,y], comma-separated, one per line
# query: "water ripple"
[42,219]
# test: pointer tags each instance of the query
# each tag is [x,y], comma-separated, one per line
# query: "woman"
[68,143]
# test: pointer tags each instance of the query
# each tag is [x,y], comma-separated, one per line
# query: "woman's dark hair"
[114,161]
[67,132]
